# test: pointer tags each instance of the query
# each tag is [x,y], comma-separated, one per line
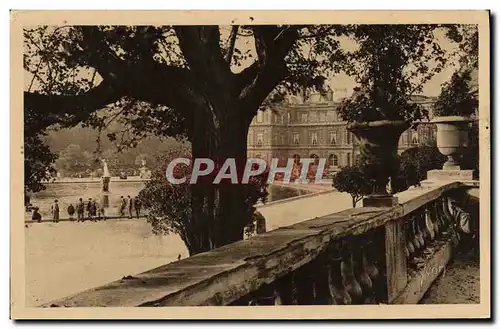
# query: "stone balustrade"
[367,255]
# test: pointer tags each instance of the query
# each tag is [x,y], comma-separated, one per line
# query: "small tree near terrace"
[352,180]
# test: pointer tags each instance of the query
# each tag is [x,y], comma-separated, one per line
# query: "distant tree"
[414,163]
[352,180]
[470,155]
[72,160]
[169,205]
[38,162]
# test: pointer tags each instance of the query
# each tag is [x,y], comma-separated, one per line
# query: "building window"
[313,116]
[322,116]
[414,137]
[334,160]
[260,139]
[260,116]
[296,138]
[333,137]
[314,138]
[316,158]
[348,159]
[303,117]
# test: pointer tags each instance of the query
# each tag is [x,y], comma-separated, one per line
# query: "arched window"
[260,139]
[316,158]
[333,160]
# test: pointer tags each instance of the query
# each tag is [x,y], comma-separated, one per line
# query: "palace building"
[314,129]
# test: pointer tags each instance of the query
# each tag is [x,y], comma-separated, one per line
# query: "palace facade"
[314,129]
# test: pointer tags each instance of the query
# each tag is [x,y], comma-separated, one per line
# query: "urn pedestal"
[379,155]
[105,191]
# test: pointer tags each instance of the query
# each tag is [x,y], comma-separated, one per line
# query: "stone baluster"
[336,287]
[409,239]
[430,223]
[438,217]
[359,270]
[447,216]
[364,279]
[285,290]
[416,239]
[421,234]
[322,293]
[348,276]
[339,293]
[373,271]
[304,283]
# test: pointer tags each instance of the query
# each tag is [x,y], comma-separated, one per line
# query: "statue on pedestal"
[106,177]
[144,172]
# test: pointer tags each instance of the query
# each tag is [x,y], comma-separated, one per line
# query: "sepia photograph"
[250,165]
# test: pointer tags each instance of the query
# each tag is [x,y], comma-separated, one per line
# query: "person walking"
[80,207]
[93,210]
[137,206]
[123,205]
[71,211]
[36,215]
[55,212]
[89,209]
[130,205]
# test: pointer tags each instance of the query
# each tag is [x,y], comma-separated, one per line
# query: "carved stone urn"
[452,138]
[378,144]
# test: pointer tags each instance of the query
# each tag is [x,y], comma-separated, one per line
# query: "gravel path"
[459,284]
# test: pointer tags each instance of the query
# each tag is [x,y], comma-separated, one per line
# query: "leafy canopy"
[392,63]
[456,97]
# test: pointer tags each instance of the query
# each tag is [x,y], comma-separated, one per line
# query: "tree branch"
[232,42]
[272,44]
[201,49]
[62,108]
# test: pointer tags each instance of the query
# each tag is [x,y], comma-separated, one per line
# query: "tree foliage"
[457,97]
[392,64]
[414,163]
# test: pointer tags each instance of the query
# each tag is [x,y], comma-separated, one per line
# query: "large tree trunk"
[219,210]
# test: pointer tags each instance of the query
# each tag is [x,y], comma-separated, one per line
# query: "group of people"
[91,210]
[130,204]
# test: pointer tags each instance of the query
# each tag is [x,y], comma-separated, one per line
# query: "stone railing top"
[223,275]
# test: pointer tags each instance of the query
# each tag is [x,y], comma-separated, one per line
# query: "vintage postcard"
[250,164]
